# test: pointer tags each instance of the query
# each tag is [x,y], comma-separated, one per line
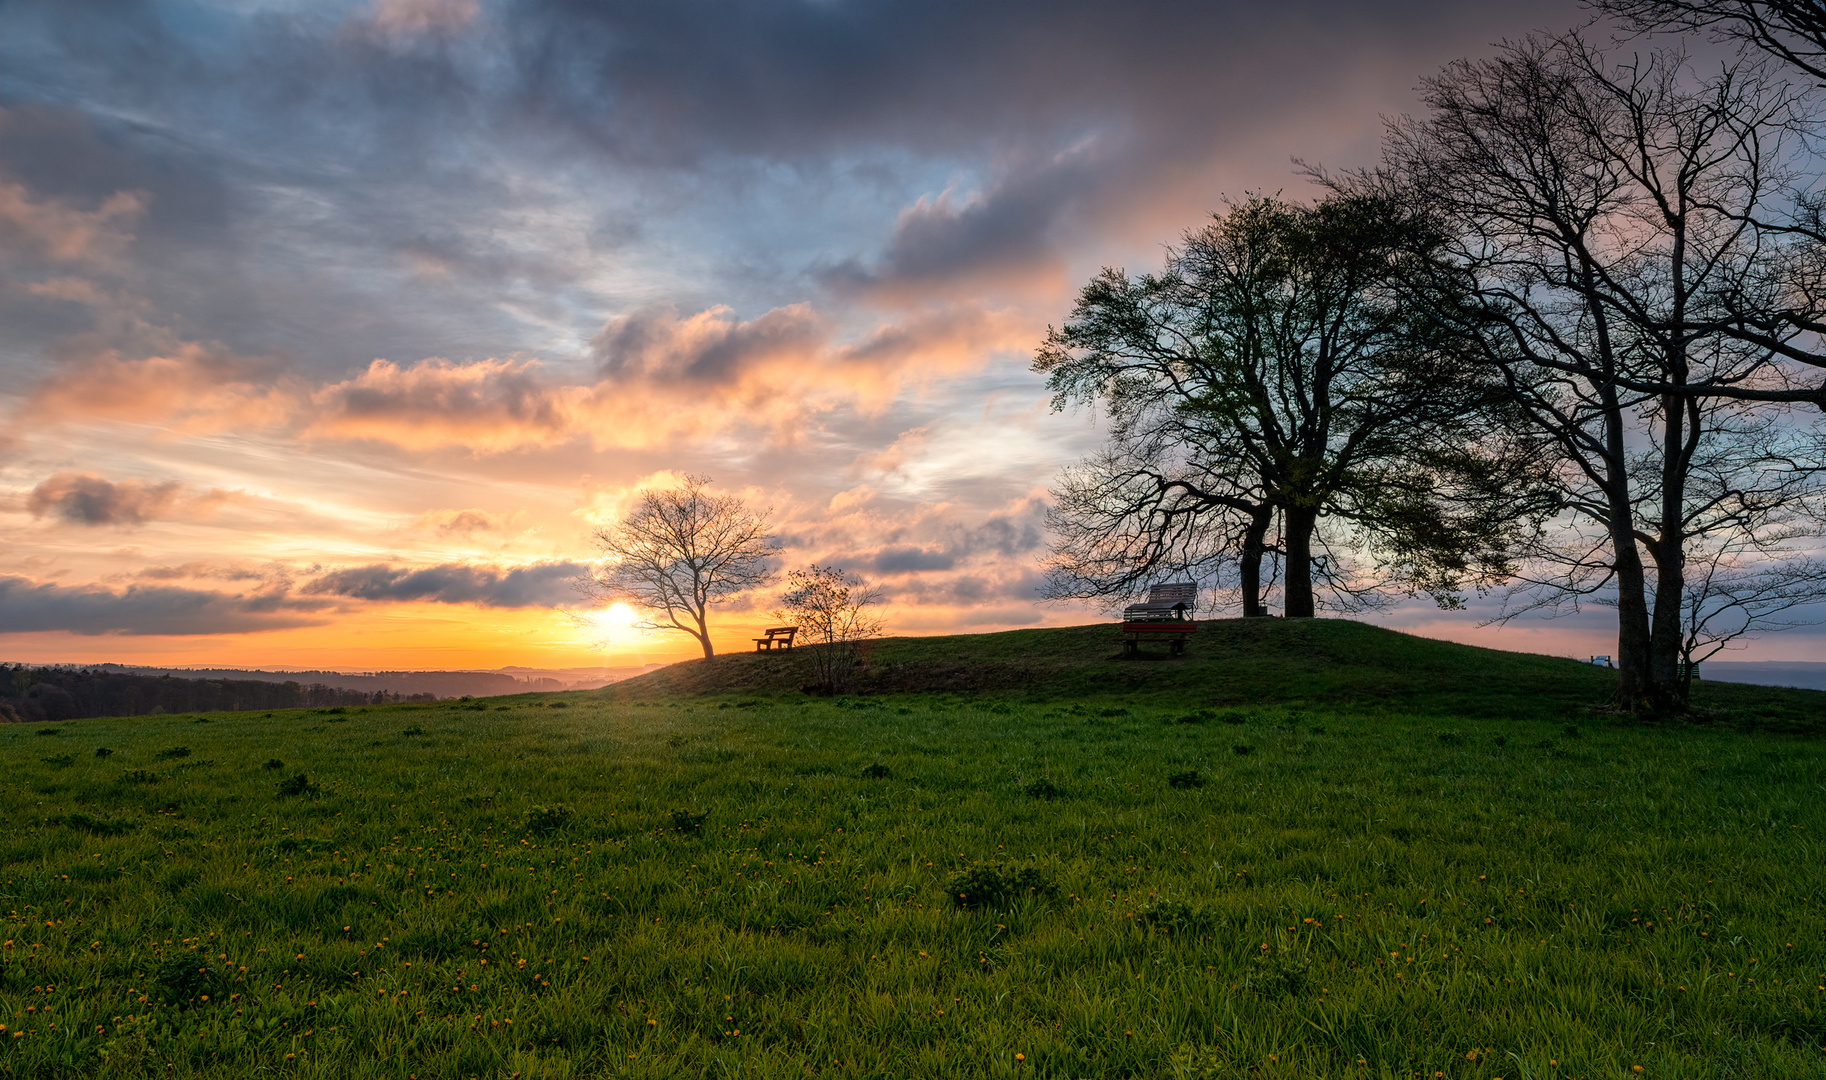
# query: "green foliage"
[1043,788]
[877,771]
[300,785]
[999,885]
[688,822]
[1644,895]
[94,826]
[1187,779]
[169,753]
[546,820]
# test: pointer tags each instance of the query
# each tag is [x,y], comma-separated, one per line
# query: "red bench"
[1165,616]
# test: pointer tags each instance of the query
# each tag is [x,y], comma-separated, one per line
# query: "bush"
[299,785]
[93,825]
[998,884]
[545,820]
[1043,788]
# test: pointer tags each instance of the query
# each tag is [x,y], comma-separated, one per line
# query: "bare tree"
[681,551]
[836,614]
[1272,377]
[1603,251]
[1793,31]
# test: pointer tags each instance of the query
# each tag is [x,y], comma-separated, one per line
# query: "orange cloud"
[193,386]
[660,378]
[56,231]
[485,404]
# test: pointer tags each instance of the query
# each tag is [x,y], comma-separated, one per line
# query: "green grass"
[1335,877]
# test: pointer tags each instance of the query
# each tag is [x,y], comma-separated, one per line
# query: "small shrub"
[1044,788]
[102,751]
[60,761]
[878,771]
[169,753]
[273,764]
[998,884]
[299,785]
[1242,749]
[689,823]
[182,979]
[1187,779]
[94,825]
[545,820]
[1170,916]
[140,776]
[1277,976]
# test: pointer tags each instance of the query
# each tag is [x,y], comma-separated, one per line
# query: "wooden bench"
[1166,615]
[781,636]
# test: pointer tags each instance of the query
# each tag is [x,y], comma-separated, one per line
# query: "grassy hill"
[1317,662]
[1313,850]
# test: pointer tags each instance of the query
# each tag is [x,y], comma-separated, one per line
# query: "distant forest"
[37,694]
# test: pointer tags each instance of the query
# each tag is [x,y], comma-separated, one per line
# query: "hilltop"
[1332,662]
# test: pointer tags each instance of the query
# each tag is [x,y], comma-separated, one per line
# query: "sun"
[617,616]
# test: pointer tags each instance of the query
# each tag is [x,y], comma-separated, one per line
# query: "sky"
[330,331]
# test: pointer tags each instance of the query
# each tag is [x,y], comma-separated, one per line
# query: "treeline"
[38,694]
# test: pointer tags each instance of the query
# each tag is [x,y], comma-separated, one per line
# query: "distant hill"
[68,692]
[1798,673]
[1230,663]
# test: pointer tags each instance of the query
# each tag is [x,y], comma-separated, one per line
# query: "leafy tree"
[835,614]
[681,551]
[1272,377]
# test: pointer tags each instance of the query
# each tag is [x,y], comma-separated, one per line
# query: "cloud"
[54,230]
[908,559]
[464,523]
[28,607]
[87,499]
[421,16]
[485,404]
[194,386]
[546,584]
[654,345]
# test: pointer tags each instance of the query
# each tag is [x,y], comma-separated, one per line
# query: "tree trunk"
[703,635]
[1636,687]
[1255,546]
[1297,602]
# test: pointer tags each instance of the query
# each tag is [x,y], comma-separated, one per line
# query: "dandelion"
[1020,1057]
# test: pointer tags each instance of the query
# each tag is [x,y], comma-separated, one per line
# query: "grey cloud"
[87,499]
[538,585]
[28,607]
[709,347]
[907,560]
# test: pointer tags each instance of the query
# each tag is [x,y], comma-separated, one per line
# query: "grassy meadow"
[1306,850]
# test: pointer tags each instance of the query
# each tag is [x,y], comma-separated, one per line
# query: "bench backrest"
[781,631]
[1179,592]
